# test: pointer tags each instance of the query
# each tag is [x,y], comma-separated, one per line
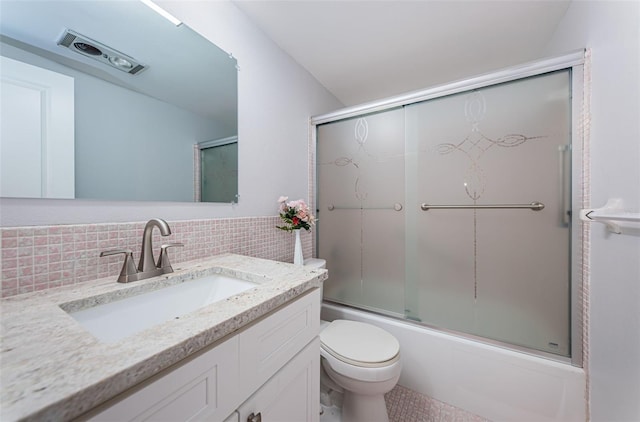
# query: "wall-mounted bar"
[534,206]
[396,207]
[594,215]
[609,215]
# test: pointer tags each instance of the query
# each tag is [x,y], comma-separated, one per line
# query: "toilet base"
[362,401]
[364,408]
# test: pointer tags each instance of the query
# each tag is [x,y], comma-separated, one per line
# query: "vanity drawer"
[268,345]
[205,387]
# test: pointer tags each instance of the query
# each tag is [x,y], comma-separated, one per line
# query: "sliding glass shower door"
[455,212]
[500,273]
[361,182]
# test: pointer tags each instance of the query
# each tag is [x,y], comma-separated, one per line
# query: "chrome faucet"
[147,263]
[147,266]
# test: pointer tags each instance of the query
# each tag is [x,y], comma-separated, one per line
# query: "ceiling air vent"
[100,52]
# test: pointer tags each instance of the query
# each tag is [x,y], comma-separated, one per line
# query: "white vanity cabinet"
[205,388]
[291,395]
[268,371]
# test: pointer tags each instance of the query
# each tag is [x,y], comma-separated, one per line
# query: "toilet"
[361,360]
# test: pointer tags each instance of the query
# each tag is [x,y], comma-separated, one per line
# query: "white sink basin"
[114,321]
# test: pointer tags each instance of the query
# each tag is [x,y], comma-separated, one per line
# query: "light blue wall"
[140,151]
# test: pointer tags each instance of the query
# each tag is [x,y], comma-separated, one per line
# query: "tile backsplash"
[44,257]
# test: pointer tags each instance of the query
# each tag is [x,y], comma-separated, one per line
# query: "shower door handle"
[533,206]
[565,184]
[254,417]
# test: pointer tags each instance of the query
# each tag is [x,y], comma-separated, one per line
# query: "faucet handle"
[163,260]
[129,271]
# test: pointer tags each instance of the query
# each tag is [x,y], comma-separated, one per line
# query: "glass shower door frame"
[578,180]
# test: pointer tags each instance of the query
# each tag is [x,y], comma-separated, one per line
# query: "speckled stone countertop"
[53,369]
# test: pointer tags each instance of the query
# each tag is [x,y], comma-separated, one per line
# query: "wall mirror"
[108,100]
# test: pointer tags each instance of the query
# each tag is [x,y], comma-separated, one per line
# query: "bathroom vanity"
[253,355]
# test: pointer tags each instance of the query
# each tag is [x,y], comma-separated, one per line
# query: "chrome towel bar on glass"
[534,206]
[396,207]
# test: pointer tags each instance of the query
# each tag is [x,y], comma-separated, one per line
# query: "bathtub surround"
[499,264]
[495,383]
[44,257]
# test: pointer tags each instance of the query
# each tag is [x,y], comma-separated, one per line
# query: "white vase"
[298,259]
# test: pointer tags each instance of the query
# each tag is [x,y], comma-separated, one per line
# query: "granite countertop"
[53,369]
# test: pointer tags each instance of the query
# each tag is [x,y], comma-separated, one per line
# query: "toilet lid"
[359,342]
[315,263]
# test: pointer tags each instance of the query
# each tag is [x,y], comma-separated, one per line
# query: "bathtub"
[489,381]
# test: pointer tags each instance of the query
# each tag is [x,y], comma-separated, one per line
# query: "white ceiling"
[367,50]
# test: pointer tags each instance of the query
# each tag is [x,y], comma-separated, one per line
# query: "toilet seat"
[359,344]
[360,351]
[358,363]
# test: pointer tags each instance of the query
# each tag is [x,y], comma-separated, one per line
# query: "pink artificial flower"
[283,204]
[295,214]
[294,204]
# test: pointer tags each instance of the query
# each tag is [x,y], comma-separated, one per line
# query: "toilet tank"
[316,263]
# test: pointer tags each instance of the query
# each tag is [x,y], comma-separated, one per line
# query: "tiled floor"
[404,405]
[329,414]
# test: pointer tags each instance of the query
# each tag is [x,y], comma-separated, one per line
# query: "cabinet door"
[204,388]
[269,344]
[234,417]
[292,394]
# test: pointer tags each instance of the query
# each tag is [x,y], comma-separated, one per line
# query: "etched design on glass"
[361,130]
[361,196]
[476,144]
[361,133]
[345,161]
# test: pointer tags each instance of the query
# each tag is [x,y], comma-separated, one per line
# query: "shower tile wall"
[44,257]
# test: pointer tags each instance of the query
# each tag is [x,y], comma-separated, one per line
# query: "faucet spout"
[147,262]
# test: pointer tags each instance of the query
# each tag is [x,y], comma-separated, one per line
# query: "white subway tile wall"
[44,257]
